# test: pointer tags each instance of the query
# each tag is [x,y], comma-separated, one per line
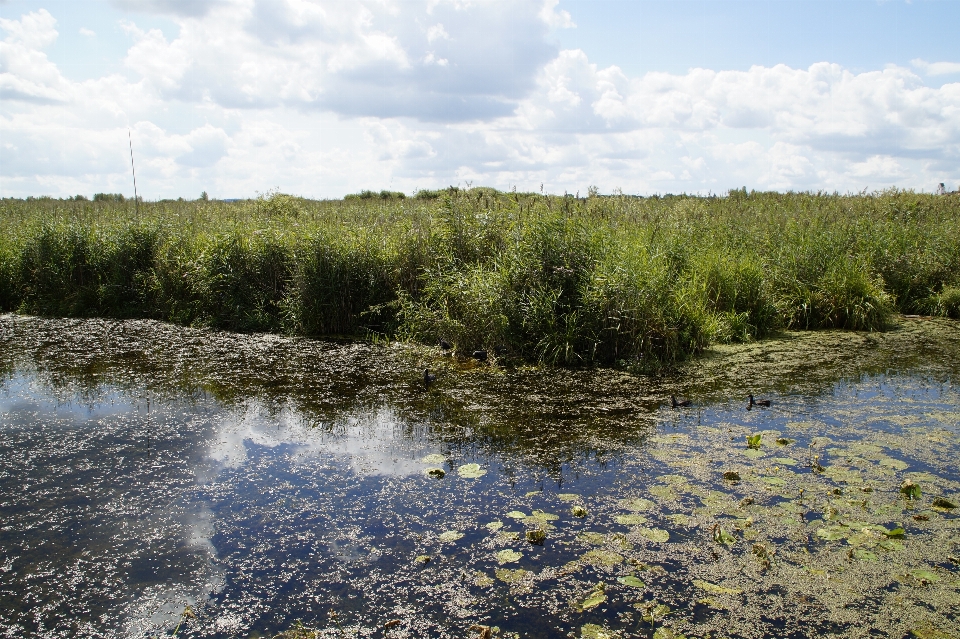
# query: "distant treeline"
[640,282]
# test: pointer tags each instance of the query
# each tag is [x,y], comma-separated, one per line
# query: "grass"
[640,282]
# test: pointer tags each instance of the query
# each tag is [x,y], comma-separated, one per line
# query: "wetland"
[161,480]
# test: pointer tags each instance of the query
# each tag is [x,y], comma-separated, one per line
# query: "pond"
[158,479]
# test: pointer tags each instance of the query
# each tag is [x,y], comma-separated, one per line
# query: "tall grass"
[642,282]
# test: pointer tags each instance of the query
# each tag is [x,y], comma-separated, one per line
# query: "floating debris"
[422,559]
[731,475]
[438,473]
[578,511]
[943,502]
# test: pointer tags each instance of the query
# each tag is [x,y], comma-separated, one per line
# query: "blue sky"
[323,98]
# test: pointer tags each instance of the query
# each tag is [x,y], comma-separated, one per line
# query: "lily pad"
[471,471]
[434,458]
[482,580]
[630,520]
[593,600]
[593,631]
[754,441]
[657,535]
[637,504]
[451,535]
[509,576]
[786,461]
[568,497]
[721,536]
[516,514]
[422,559]
[925,575]
[508,556]
[864,555]
[602,558]
[631,581]
[714,588]
[833,533]
[592,538]
[494,526]
[753,453]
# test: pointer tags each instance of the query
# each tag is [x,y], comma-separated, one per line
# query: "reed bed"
[610,280]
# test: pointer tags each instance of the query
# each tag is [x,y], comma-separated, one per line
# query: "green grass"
[641,282]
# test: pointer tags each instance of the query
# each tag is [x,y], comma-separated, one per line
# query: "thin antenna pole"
[136,199]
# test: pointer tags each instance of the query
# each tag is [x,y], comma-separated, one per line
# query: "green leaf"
[471,471]
[631,581]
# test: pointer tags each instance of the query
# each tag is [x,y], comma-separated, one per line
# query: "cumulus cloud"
[936,68]
[325,98]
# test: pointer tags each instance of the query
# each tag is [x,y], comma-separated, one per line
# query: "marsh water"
[157,479]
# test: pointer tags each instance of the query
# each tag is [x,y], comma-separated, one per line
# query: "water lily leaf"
[668,633]
[661,491]
[630,520]
[540,516]
[924,575]
[655,534]
[509,576]
[891,545]
[754,441]
[592,538]
[568,497]
[422,559]
[832,533]
[451,535]
[714,588]
[864,555]
[753,453]
[593,631]
[655,613]
[896,532]
[434,458]
[483,580]
[516,514]
[680,519]
[786,461]
[494,526]
[774,481]
[721,536]
[637,504]
[508,556]
[909,489]
[631,581]
[471,471]
[929,632]
[896,464]
[593,600]
[602,558]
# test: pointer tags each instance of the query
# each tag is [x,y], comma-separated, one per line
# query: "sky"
[323,98]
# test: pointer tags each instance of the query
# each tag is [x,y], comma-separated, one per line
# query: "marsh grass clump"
[637,282]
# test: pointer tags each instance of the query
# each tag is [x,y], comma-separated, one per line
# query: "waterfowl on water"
[480,355]
[428,377]
[758,402]
[680,404]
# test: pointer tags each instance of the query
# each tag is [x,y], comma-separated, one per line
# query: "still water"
[254,482]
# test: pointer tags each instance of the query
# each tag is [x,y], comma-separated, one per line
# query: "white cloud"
[87,32]
[553,18]
[936,68]
[327,98]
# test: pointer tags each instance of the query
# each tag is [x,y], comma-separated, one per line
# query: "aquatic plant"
[641,282]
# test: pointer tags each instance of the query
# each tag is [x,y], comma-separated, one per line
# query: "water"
[259,481]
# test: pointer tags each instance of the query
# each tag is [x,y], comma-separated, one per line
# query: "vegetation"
[641,282]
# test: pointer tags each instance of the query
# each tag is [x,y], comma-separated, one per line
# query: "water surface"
[261,481]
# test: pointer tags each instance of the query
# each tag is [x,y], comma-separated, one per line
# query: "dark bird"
[480,355]
[445,345]
[428,378]
[755,402]
[677,404]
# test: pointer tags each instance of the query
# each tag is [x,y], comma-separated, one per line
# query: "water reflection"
[261,480]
